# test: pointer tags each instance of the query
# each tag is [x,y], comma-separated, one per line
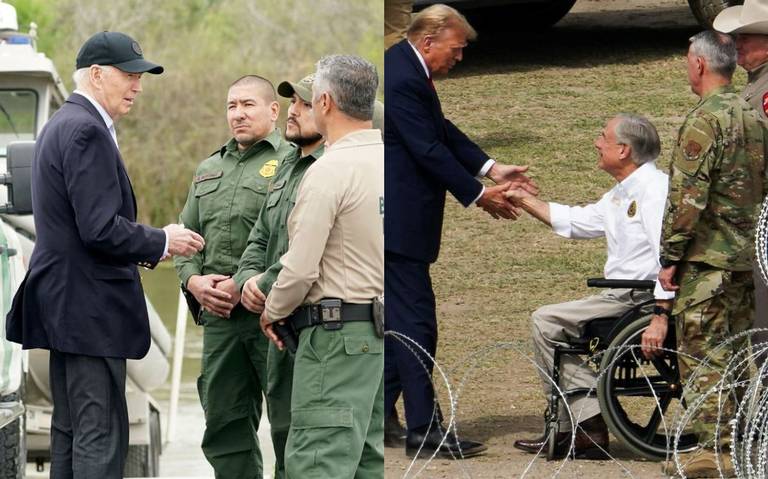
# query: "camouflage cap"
[303,88]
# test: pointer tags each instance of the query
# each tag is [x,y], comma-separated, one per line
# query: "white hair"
[81,77]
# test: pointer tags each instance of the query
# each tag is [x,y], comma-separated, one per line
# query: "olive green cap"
[303,88]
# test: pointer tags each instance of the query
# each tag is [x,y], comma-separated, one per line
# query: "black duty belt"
[331,314]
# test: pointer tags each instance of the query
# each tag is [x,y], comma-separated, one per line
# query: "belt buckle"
[330,314]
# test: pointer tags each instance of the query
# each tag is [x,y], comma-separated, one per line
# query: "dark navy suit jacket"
[82,292]
[425,156]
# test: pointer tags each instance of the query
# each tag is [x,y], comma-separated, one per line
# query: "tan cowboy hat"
[752,17]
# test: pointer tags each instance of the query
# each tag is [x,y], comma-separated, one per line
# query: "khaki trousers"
[553,324]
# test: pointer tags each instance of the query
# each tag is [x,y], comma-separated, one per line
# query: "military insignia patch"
[268,170]
[632,210]
[765,103]
[692,149]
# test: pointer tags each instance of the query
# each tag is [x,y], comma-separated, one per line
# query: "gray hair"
[641,136]
[718,49]
[81,76]
[351,81]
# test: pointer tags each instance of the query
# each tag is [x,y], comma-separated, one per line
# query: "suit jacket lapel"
[418,70]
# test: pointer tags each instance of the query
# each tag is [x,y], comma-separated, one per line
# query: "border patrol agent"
[749,23]
[716,185]
[268,241]
[328,288]
[223,204]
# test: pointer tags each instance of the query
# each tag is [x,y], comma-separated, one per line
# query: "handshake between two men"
[504,199]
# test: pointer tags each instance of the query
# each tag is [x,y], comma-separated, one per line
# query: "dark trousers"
[89,428]
[410,311]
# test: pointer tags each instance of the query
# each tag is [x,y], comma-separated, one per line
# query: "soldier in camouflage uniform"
[716,185]
[749,23]
[224,201]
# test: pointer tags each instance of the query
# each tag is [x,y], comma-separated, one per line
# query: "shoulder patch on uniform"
[692,149]
[765,103]
[208,176]
[268,170]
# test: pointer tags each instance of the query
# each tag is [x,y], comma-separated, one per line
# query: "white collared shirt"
[629,215]
[104,115]
[490,162]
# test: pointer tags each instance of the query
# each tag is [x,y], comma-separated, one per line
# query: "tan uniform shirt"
[756,91]
[336,229]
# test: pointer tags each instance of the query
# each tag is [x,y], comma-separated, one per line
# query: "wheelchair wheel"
[627,401]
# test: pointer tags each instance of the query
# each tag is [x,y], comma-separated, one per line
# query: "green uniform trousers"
[279,384]
[233,377]
[712,306]
[337,406]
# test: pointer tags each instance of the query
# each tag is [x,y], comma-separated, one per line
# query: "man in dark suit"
[426,155]
[82,298]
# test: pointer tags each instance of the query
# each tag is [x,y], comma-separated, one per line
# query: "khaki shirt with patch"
[336,229]
[757,89]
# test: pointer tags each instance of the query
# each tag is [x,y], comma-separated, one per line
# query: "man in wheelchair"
[629,217]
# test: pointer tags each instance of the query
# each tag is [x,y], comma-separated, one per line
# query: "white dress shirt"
[113,133]
[490,162]
[632,232]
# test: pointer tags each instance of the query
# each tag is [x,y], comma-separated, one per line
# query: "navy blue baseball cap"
[116,49]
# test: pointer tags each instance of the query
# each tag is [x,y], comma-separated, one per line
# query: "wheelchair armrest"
[621,283]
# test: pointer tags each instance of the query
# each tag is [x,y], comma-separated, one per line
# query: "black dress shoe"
[426,445]
[394,433]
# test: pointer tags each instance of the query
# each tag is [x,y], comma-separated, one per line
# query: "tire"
[144,460]
[705,11]
[626,401]
[524,17]
[13,445]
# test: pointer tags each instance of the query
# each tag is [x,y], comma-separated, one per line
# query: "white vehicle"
[30,92]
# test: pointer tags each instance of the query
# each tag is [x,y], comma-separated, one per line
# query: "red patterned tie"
[431,83]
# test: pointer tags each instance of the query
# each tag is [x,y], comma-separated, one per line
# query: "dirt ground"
[540,99]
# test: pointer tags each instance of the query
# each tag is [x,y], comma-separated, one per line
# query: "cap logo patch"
[136,48]
[308,80]
[765,103]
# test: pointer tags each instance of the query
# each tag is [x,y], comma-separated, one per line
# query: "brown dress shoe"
[539,444]
[591,441]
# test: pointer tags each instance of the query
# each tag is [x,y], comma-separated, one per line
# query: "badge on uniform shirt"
[268,170]
[632,209]
[765,103]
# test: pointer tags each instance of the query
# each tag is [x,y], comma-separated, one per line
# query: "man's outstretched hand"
[495,203]
[513,174]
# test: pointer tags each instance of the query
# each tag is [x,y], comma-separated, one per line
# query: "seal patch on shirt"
[268,170]
[692,149]
[632,210]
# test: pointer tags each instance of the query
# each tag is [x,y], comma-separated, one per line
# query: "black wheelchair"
[629,385]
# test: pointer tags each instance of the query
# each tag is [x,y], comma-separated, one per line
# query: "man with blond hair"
[426,157]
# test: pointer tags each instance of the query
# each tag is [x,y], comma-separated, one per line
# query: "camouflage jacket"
[716,184]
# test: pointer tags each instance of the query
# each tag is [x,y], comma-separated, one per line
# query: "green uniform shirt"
[716,184]
[224,202]
[269,237]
